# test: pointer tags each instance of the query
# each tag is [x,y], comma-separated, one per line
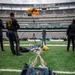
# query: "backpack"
[23,50]
[29,70]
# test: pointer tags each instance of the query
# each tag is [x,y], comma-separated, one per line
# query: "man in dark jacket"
[71,35]
[12,27]
[44,37]
[1,35]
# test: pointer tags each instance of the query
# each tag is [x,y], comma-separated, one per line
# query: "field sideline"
[56,57]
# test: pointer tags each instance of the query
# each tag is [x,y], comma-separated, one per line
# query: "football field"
[56,57]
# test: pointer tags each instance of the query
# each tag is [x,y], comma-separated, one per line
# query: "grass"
[9,73]
[14,73]
[40,42]
[56,57]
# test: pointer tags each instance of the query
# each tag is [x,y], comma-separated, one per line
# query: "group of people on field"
[71,35]
[12,26]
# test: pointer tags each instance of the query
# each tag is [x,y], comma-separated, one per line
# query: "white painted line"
[64,72]
[20,45]
[10,70]
[56,45]
[33,44]
[15,70]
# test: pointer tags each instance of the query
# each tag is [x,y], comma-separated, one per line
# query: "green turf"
[56,57]
[14,73]
[9,73]
[39,42]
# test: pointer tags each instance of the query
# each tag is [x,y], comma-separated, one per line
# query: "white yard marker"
[15,70]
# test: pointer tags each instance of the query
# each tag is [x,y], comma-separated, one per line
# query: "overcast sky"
[35,1]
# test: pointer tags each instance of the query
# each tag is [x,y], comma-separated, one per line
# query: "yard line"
[64,72]
[10,70]
[33,44]
[15,70]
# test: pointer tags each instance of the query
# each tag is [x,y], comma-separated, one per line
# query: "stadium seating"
[55,16]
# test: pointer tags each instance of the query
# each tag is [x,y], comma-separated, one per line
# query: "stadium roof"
[35,1]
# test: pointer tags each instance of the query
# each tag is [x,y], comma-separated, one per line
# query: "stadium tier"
[51,16]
